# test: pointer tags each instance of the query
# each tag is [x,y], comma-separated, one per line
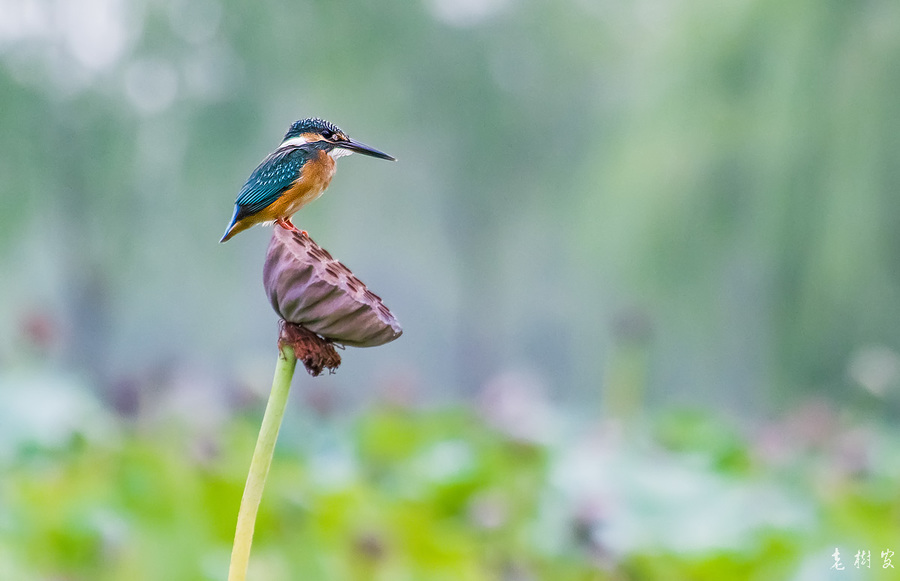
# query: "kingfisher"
[293,175]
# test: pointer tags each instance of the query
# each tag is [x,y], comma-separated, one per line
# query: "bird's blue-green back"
[270,180]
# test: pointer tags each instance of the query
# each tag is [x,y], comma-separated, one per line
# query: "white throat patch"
[339,152]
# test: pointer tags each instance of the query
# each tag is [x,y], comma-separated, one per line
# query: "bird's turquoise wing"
[269,180]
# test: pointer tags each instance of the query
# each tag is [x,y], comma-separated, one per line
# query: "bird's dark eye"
[326,133]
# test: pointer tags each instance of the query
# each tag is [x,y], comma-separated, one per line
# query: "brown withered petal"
[316,353]
[308,287]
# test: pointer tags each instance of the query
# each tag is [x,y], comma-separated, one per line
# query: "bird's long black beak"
[364,149]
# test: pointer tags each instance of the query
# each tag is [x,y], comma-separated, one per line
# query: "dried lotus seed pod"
[308,287]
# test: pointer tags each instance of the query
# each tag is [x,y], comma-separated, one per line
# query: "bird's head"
[329,137]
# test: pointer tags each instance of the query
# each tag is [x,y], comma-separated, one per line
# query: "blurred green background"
[645,255]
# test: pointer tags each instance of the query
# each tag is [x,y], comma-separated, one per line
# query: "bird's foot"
[285,223]
[288,225]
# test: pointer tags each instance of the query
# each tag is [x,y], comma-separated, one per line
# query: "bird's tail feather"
[233,227]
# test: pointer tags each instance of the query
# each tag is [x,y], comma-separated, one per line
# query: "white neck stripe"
[294,141]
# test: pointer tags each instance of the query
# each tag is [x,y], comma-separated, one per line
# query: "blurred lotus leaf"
[308,287]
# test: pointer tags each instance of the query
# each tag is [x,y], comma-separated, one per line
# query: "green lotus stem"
[259,465]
